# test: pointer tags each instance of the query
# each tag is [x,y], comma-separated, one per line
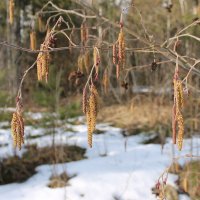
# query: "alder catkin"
[42,64]
[178,93]
[39,66]
[33,40]
[114,52]
[96,58]
[84,33]
[105,81]
[86,60]
[80,63]
[117,71]
[180,123]
[84,101]
[121,47]
[185,184]
[17,130]
[177,115]
[11,11]
[174,124]
[92,111]
[89,126]
[41,25]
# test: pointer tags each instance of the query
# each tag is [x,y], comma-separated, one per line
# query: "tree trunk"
[13,57]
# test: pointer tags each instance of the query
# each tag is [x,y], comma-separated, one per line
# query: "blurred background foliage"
[159,22]
[145,105]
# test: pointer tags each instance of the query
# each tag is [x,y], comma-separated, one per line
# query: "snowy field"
[109,172]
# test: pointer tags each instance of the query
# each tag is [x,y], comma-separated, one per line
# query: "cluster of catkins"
[17,125]
[119,51]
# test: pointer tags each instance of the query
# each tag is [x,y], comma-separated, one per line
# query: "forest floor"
[119,166]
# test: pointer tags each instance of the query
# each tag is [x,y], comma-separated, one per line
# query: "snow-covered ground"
[110,171]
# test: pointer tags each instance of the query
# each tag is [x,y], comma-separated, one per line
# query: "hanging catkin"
[180,123]
[43,57]
[33,40]
[86,60]
[117,71]
[121,47]
[84,101]
[41,25]
[92,110]
[96,58]
[105,81]
[174,124]
[84,33]
[11,11]
[80,63]
[17,129]
[114,52]
[177,113]
[42,64]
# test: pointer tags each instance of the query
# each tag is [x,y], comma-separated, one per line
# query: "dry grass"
[137,115]
[16,169]
[58,181]
[189,179]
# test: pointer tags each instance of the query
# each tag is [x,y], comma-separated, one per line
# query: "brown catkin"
[42,64]
[17,129]
[123,53]
[114,52]
[96,96]
[86,60]
[117,71]
[174,124]
[178,106]
[180,123]
[121,47]
[39,66]
[105,81]
[92,111]
[89,125]
[96,58]
[180,94]
[84,101]
[14,128]
[41,25]
[11,11]
[84,33]
[185,184]
[80,63]
[33,40]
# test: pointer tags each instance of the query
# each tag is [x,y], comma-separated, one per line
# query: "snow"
[111,170]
